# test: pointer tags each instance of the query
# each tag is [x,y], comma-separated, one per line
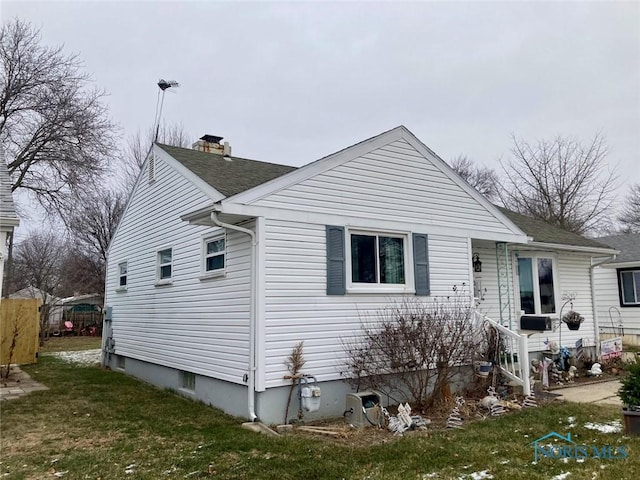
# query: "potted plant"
[573,319]
[629,393]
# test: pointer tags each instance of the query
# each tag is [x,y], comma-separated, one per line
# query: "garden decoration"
[595,371]
[545,371]
[497,409]
[629,393]
[571,374]
[530,401]
[455,420]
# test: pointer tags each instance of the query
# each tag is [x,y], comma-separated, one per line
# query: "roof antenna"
[164,85]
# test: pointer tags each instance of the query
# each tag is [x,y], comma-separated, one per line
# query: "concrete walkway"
[600,393]
[18,385]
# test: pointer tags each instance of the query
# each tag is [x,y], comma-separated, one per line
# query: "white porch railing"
[514,358]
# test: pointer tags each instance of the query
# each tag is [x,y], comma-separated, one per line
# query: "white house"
[8,216]
[221,265]
[618,289]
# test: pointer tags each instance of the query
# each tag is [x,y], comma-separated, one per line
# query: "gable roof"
[628,244]
[8,215]
[228,176]
[544,232]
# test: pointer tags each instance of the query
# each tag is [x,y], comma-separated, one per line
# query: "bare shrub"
[415,348]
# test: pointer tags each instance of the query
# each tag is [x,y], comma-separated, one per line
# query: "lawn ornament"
[530,401]
[455,420]
[596,370]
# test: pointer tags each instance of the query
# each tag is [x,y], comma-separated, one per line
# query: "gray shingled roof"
[543,232]
[229,177]
[628,244]
[8,215]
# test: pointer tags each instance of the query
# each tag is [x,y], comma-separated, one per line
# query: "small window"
[629,287]
[377,259]
[214,254]
[122,269]
[188,380]
[165,264]
[120,363]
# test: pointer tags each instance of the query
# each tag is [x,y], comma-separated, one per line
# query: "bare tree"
[561,181]
[138,147]
[482,178]
[53,124]
[39,260]
[630,215]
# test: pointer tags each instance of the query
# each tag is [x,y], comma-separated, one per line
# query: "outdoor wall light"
[477,264]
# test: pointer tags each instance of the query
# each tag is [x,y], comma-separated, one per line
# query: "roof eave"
[574,248]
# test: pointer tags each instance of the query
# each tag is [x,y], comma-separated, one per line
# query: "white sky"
[292,82]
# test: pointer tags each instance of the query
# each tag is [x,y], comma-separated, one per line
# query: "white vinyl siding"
[194,326]
[297,307]
[610,313]
[394,183]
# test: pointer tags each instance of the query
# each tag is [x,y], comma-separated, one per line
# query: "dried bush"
[415,348]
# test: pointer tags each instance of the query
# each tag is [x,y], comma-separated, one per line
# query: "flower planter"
[573,326]
[482,368]
[631,421]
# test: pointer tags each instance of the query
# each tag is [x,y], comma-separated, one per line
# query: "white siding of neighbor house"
[572,275]
[195,325]
[297,307]
[394,183]
[608,296]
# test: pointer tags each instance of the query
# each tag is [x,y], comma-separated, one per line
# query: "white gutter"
[594,305]
[251,386]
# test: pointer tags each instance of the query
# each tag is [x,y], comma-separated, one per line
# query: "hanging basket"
[573,326]
[573,320]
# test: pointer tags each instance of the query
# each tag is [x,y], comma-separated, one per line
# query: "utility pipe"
[251,386]
[594,305]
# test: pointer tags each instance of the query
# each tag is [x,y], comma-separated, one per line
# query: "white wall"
[298,308]
[607,296]
[195,325]
[394,183]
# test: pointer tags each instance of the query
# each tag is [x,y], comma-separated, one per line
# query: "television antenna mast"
[164,86]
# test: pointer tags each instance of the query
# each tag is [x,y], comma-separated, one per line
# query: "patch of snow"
[611,427]
[429,475]
[561,476]
[60,474]
[481,475]
[81,357]
[504,462]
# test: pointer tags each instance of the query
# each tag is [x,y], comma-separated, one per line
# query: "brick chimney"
[211,144]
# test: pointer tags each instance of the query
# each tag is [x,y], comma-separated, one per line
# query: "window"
[629,287]
[537,286]
[188,380]
[376,262]
[164,265]
[122,272]
[377,259]
[120,362]
[214,253]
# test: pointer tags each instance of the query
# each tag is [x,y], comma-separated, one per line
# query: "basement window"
[188,380]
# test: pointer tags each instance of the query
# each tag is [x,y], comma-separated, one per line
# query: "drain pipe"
[594,305]
[251,385]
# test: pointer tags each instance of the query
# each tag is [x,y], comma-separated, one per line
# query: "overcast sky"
[291,82]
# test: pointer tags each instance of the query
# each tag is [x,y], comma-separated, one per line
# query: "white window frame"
[633,271]
[168,280]
[407,288]
[220,272]
[536,285]
[120,287]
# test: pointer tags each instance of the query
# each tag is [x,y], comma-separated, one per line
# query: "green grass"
[70,343]
[94,423]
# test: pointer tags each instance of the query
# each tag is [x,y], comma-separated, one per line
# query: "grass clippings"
[95,423]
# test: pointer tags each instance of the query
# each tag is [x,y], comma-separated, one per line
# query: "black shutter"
[336,278]
[421,263]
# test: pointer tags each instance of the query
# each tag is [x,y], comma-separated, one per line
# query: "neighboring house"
[618,289]
[44,298]
[8,216]
[221,265]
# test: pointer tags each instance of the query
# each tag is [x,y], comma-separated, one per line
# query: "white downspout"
[594,305]
[251,386]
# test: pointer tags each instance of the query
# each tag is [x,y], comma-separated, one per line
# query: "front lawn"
[70,344]
[101,424]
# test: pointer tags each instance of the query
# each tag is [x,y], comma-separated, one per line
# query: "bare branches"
[630,215]
[482,178]
[53,124]
[562,182]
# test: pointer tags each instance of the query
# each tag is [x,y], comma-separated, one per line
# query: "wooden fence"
[18,327]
